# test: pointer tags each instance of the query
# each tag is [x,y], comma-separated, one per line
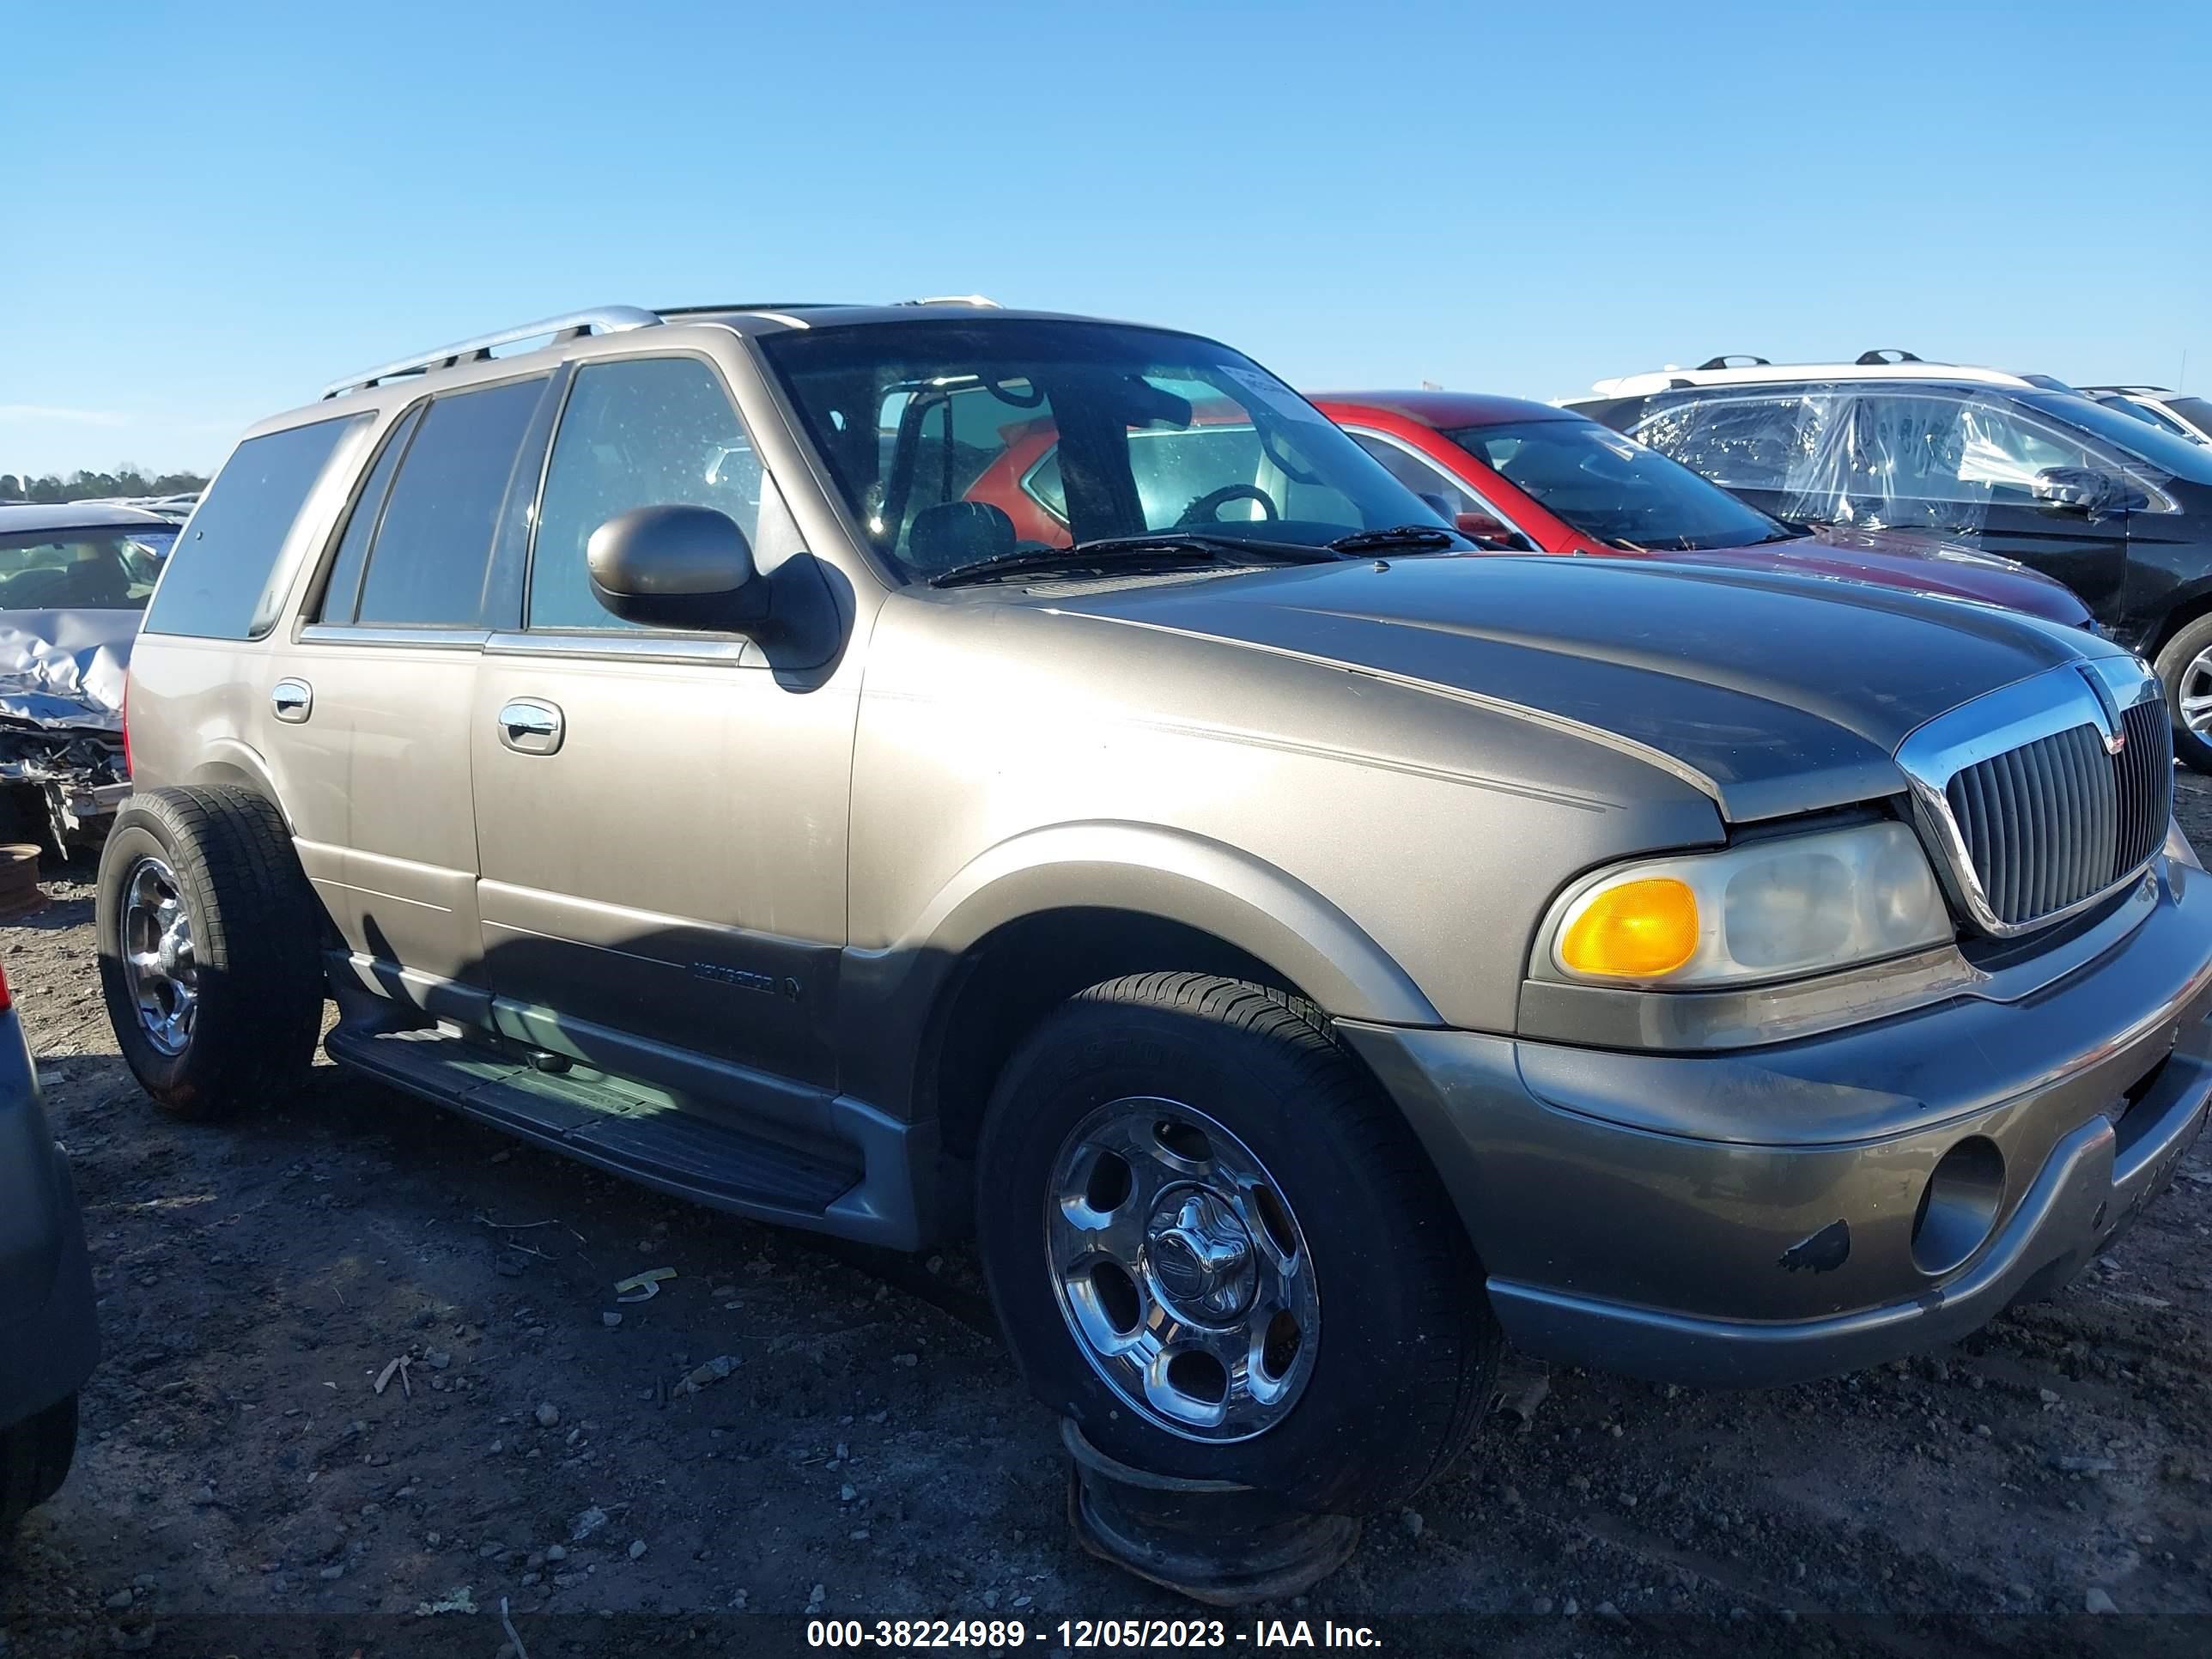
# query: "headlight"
[1769,909]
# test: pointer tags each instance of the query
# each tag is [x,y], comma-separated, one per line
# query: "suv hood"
[1775,693]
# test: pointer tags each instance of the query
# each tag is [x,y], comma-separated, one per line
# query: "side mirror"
[2087,490]
[1483,528]
[677,567]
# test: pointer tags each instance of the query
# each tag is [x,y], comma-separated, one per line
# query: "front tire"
[35,1455]
[1217,1247]
[2185,668]
[208,959]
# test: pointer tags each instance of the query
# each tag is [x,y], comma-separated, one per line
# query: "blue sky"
[209,211]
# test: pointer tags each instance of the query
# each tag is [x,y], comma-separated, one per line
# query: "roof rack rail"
[953,299]
[569,325]
[1883,354]
[747,305]
[1725,362]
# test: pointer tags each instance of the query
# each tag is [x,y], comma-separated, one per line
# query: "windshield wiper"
[1415,536]
[1114,553]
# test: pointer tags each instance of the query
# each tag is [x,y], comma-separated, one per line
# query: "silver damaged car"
[74,579]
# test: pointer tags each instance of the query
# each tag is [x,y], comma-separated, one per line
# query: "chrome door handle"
[292,700]
[529,727]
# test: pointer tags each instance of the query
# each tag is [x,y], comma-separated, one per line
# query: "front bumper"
[49,1333]
[1766,1215]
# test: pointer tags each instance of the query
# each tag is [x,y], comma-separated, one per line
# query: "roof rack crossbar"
[569,325]
[1727,361]
[1885,356]
[982,300]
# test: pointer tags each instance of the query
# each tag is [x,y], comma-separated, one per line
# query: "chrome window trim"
[719,651]
[1453,479]
[435,639]
[2093,692]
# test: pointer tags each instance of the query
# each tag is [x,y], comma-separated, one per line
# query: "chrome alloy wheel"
[2196,694]
[158,968]
[1181,1270]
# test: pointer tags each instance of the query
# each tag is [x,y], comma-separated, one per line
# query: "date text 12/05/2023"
[1083,1634]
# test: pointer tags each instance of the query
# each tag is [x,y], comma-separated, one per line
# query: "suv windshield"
[957,440]
[2164,450]
[98,568]
[1613,489]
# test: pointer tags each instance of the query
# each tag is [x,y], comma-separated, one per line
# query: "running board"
[619,1126]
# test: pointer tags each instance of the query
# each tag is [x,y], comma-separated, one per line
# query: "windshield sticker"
[1273,396]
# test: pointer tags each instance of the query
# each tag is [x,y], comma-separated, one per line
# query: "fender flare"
[1200,883]
[228,761]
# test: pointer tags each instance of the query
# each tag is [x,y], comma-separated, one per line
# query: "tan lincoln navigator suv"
[900,770]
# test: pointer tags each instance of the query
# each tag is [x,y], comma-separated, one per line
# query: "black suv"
[2117,509]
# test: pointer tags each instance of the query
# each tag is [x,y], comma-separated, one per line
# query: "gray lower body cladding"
[1899,1185]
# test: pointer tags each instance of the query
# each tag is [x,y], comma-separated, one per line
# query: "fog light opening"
[1959,1206]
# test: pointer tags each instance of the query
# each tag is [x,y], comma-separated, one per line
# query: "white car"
[2182,413]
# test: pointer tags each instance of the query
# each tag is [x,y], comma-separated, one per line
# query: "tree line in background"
[83,486]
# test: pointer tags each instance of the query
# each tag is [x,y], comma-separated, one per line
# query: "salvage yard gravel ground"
[789,1427]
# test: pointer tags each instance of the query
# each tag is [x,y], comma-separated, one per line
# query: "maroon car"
[1526,476]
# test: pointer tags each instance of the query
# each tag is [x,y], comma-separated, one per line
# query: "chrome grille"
[2145,771]
[2055,822]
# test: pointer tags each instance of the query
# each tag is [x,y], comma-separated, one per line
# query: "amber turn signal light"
[1638,930]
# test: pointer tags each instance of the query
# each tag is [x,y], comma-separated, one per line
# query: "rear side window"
[216,586]
[426,567]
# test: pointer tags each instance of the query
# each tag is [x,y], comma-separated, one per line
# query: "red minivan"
[1524,477]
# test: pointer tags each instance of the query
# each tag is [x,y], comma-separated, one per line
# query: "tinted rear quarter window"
[216,586]
[427,566]
[343,590]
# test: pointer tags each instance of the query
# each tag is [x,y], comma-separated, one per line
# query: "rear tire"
[35,1455]
[208,950]
[2185,668]
[1297,1165]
